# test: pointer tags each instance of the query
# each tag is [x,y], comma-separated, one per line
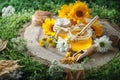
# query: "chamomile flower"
[103,44]
[8,11]
[62,45]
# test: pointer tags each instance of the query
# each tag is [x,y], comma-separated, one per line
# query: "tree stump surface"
[32,34]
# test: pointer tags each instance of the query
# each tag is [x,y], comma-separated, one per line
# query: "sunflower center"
[102,44]
[51,28]
[79,13]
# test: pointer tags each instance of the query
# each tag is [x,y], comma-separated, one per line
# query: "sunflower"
[65,9]
[78,12]
[48,27]
[98,28]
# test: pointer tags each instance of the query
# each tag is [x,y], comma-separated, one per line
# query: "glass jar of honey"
[81,42]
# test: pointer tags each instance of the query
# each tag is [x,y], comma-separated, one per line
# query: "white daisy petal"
[103,44]
[62,45]
[3,9]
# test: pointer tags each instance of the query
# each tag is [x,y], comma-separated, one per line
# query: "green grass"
[109,71]
[33,70]
[9,29]
[105,9]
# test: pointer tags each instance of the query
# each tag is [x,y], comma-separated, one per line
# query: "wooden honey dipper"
[86,27]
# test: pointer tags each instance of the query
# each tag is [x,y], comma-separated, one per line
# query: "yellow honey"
[77,45]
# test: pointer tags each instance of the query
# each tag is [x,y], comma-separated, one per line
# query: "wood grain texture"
[33,34]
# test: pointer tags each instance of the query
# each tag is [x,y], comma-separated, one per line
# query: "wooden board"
[32,34]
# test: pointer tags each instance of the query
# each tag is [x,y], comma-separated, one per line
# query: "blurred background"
[108,9]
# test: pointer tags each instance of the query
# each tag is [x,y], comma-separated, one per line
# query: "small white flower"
[3,9]
[19,43]
[8,11]
[103,44]
[61,22]
[62,45]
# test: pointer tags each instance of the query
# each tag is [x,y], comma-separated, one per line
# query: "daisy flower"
[62,45]
[103,44]
[8,11]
